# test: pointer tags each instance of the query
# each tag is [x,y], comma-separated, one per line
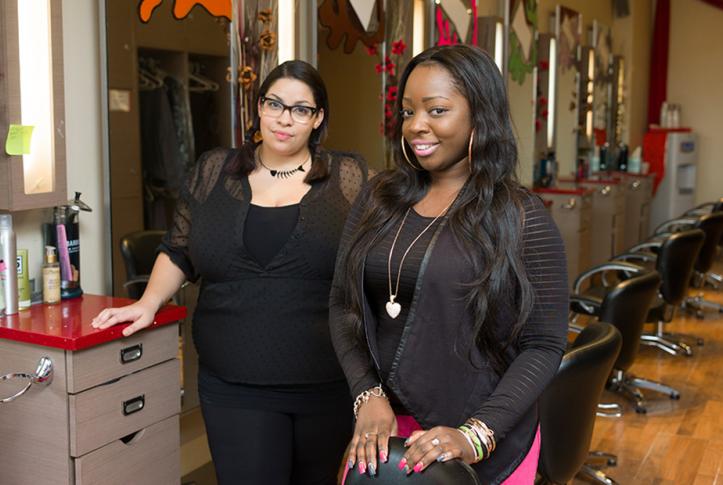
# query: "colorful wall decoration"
[522,45]
[181,8]
[352,21]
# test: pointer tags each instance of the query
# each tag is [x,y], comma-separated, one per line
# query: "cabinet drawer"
[151,457]
[97,365]
[111,411]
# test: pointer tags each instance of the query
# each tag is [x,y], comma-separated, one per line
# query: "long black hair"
[306,73]
[487,215]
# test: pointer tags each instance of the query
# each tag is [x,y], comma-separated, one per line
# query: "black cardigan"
[262,324]
[438,375]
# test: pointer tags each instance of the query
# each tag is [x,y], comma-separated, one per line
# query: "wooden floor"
[676,442]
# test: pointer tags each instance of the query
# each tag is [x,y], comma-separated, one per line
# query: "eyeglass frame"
[314,110]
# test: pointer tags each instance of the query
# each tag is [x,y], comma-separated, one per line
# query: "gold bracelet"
[486,435]
[362,398]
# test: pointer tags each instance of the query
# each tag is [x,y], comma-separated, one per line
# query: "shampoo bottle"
[51,277]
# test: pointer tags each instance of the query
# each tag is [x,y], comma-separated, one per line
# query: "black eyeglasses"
[299,112]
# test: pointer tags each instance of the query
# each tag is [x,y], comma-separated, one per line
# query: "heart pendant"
[393,308]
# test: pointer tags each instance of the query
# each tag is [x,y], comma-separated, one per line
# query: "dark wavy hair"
[306,73]
[486,218]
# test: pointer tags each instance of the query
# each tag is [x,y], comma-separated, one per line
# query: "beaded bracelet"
[363,397]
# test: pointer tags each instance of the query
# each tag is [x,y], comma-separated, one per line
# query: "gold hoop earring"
[404,152]
[469,150]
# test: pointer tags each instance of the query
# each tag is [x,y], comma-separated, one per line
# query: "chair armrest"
[136,281]
[641,256]
[584,306]
[700,210]
[602,268]
[681,221]
[652,243]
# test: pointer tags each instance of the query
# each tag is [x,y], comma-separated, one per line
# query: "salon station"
[105,105]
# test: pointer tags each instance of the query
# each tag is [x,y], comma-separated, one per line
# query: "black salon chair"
[626,307]
[712,225]
[139,250]
[569,404]
[453,472]
[673,257]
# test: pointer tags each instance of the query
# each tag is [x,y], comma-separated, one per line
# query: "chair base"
[665,341]
[609,410]
[593,471]
[628,386]
[714,280]
[700,305]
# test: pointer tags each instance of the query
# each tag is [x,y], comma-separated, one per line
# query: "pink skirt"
[524,474]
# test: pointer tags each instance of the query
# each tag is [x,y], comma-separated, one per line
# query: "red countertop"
[67,325]
[563,190]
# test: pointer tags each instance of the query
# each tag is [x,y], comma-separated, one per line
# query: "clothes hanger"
[199,83]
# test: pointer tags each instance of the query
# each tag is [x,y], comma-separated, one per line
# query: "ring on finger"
[435,442]
[367,435]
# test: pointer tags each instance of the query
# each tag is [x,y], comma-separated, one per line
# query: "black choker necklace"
[283,174]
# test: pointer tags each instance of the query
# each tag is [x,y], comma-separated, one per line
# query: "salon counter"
[107,412]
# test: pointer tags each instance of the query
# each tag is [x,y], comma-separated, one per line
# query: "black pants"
[275,436]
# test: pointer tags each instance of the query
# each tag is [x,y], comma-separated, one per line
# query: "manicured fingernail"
[362,468]
[442,457]
[402,463]
[372,469]
[383,456]
[350,464]
[418,467]
[407,470]
[406,442]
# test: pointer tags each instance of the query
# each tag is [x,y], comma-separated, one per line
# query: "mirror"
[568,32]
[169,100]
[545,110]
[603,116]
[521,78]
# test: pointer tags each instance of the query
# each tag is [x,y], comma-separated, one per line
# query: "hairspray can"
[8,254]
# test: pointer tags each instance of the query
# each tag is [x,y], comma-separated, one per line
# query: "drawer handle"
[606,190]
[571,204]
[130,354]
[134,405]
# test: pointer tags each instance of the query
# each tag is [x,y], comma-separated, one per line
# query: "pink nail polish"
[418,467]
[402,463]
[362,468]
[383,456]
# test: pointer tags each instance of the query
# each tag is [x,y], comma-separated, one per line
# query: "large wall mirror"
[568,32]
[169,100]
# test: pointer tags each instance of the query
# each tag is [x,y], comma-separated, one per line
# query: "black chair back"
[138,250]
[569,404]
[626,307]
[675,263]
[712,225]
[453,472]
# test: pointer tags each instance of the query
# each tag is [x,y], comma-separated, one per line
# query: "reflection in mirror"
[603,87]
[568,32]
[352,59]
[521,66]
[586,90]
[545,102]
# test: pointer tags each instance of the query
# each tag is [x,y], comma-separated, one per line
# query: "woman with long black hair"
[449,303]
[260,227]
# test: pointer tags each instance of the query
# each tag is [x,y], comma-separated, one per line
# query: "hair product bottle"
[51,277]
[8,254]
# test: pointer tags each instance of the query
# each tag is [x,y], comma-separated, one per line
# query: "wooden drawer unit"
[571,210]
[133,402]
[150,457]
[109,414]
[94,366]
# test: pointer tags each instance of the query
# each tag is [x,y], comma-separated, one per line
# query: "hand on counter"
[140,314]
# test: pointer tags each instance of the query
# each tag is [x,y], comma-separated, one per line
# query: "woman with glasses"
[456,276]
[260,227]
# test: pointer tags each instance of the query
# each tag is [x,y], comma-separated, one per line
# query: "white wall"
[695,80]
[83,149]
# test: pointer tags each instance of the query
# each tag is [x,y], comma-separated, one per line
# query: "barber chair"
[626,307]
[454,472]
[139,250]
[712,225]
[673,257]
[568,407]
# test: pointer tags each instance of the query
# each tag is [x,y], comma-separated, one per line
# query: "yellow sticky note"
[18,141]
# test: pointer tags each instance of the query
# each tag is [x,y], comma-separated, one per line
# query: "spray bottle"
[8,255]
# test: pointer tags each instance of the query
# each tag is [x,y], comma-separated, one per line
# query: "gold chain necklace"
[394,308]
